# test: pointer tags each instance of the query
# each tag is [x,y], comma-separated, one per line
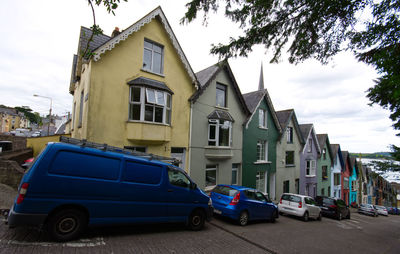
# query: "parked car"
[36,134]
[69,187]
[27,163]
[367,209]
[242,204]
[332,207]
[381,210]
[299,205]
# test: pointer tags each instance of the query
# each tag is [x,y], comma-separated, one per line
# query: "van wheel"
[66,225]
[305,216]
[243,218]
[196,220]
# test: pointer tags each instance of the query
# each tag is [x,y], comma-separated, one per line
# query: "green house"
[325,164]
[260,134]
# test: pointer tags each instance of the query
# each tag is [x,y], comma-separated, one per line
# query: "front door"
[261,183]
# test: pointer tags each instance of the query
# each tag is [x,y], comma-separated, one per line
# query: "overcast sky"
[40,37]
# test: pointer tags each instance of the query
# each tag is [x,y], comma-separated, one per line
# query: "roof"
[221,115]
[345,155]
[150,83]
[9,111]
[97,40]
[206,76]
[306,129]
[284,117]
[323,142]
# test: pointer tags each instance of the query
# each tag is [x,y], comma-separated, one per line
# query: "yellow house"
[9,119]
[134,89]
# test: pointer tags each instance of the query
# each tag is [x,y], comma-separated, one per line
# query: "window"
[153,57]
[219,132]
[324,173]
[297,185]
[262,118]
[289,158]
[221,95]
[310,201]
[323,192]
[310,145]
[310,167]
[336,179]
[73,116]
[149,105]
[286,187]
[80,110]
[260,181]
[289,135]
[211,175]
[329,190]
[177,178]
[324,153]
[353,186]
[141,149]
[262,150]
[345,183]
[235,174]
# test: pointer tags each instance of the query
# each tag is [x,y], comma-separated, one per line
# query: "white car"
[381,210]
[36,134]
[299,205]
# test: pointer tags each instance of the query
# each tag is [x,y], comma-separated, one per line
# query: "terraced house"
[336,173]
[133,89]
[261,133]
[288,148]
[218,114]
[325,164]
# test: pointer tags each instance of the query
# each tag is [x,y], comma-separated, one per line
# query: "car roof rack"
[105,147]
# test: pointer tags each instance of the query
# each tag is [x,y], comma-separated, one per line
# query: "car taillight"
[300,204]
[22,193]
[280,201]
[235,200]
[333,206]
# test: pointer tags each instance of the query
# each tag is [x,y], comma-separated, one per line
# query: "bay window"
[219,132]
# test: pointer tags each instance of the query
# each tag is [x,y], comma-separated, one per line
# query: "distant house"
[308,161]
[133,89]
[345,177]
[325,165]
[288,153]
[218,113]
[353,180]
[261,133]
[336,173]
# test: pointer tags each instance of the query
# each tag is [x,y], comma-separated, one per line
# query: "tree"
[33,117]
[318,29]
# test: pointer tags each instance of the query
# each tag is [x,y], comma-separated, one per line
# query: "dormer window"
[153,57]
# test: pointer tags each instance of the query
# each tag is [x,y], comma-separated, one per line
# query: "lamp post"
[51,104]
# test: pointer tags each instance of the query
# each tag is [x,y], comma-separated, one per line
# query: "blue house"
[353,180]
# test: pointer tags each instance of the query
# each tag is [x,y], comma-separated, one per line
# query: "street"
[361,234]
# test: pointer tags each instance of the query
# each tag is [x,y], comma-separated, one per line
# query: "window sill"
[146,122]
[262,162]
[151,72]
[290,165]
[262,128]
[310,176]
[220,107]
[218,147]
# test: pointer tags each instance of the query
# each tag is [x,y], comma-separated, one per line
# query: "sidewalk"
[7,196]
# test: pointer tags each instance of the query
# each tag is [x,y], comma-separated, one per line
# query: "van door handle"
[170,190]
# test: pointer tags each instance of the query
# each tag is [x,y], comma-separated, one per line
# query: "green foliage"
[33,117]
[318,29]
[385,165]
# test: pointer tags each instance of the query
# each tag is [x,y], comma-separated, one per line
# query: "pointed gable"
[323,141]
[284,117]
[306,131]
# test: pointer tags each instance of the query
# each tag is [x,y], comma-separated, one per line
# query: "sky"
[40,37]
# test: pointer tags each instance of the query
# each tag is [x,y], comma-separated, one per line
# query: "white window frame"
[217,124]
[235,168]
[262,119]
[263,145]
[151,67]
[258,178]
[310,145]
[289,135]
[311,166]
[145,93]
[223,88]
[211,168]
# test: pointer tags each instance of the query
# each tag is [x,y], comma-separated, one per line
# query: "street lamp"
[51,103]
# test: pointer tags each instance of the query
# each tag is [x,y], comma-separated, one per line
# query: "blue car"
[242,204]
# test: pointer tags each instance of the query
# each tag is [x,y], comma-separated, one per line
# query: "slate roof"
[8,111]
[96,42]
[150,83]
[253,99]
[345,156]
[207,75]
[335,149]
[221,115]
[322,140]
[283,117]
[305,130]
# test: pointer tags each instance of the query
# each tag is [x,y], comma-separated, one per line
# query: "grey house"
[288,149]
[308,161]
[218,114]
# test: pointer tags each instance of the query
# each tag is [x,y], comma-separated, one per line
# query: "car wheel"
[319,217]
[339,217]
[243,218]
[273,217]
[348,215]
[66,225]
[196,220]
[305,216]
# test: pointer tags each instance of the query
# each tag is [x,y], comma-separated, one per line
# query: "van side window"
[177,178]
[142,173]
[85,165]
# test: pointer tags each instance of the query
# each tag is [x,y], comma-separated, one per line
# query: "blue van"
[69,187]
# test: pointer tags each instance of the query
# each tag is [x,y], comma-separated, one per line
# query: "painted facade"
[353,180]
[218,114]
[336,173]
[134,91]
[308,161]
[345,178]
[288,150]
[261,132]
[324,165]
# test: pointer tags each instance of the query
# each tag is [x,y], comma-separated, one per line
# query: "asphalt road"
[361,234]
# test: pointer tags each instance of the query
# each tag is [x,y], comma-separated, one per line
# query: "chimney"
[115,32]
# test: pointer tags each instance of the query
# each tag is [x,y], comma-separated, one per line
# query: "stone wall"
[18,143]
[10,173]
[17,155]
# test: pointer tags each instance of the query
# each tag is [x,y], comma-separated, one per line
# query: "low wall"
[17,155]
[10,173]
[17,142]
[39,143]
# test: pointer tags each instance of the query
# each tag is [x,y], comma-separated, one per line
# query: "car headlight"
[209,202]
